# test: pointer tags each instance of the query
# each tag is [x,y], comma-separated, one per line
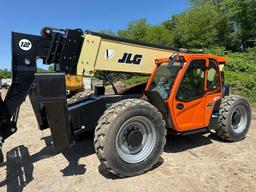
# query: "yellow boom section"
[105,54]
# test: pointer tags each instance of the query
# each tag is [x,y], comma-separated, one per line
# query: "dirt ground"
[191,163]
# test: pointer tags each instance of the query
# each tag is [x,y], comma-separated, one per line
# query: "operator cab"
[190,87]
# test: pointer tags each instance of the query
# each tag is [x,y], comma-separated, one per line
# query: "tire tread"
[222,129]
[104,124]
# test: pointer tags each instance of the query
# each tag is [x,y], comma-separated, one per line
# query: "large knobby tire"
[130,137]
[234,118]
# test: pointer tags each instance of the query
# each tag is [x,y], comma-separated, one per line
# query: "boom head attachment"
[54,46]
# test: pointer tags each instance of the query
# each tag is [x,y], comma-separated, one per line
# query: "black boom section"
[23,69]
[24,52]
[59,47]
[64,50]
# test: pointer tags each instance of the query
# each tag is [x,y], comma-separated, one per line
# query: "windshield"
[165,77]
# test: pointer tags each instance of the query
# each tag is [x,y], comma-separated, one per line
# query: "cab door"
[214,93]
[187,100]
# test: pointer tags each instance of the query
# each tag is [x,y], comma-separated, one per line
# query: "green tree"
[5,74]
[237,29]
[140,30]
[41,70]
[51,68]
[197,27]
[241,21]
[170,24]
[197,3]
[136,30]
[159,34]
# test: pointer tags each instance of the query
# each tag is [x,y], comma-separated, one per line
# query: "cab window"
[213,83]
[165,77]
[192,84]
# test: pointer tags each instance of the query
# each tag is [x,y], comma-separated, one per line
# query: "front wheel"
[234,118]
[130,137]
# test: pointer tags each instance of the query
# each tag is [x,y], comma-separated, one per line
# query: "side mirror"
[175,57]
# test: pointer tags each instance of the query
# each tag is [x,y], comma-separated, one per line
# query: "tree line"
[222,27]
[6,74]
[207,23]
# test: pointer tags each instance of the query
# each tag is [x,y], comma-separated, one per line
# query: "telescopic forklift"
[184,94]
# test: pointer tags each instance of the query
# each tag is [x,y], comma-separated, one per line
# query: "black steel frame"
[54,48]
[47,91]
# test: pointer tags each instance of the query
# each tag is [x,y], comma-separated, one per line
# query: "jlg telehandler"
[185,94]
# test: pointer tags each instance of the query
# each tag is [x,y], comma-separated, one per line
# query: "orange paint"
[196,113]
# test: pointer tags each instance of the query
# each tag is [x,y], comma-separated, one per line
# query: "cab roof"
[189,56]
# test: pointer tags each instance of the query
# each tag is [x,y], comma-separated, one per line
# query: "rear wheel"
[130,137]
[234,118]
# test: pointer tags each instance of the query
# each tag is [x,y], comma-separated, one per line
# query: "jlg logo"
[129,59]
[25,44]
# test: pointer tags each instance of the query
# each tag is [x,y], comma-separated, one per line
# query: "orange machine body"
[196,113]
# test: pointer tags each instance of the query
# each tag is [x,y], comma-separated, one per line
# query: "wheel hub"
[134,139]
[236,118]
[239,119]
